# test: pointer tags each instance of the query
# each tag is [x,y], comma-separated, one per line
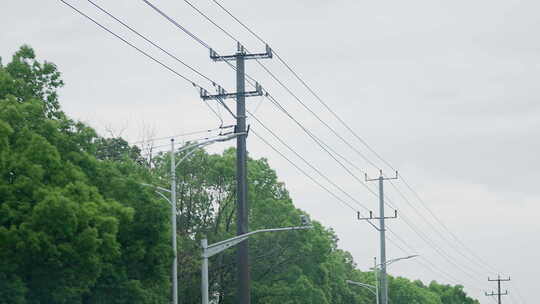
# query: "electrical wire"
[288,66]
[133,46]
[197,39]
[176,135]
[178,25]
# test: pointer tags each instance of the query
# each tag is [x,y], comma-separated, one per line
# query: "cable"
[240,22]
[314,168]
[306,162]
[294,95]
[444,226]
[177,24]
[437,230]
[424,237]
[302,171]
[176,135]
[427,261]
[210,20]
[297,76]
[133,46]
[151,42]
[288,66]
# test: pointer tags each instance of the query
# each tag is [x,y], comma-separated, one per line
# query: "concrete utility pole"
[241,157]
[382,230]
[498,294]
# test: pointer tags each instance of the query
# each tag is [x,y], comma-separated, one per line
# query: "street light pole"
[172,200]
[376,278]
[376,268]
[371,288]
[213,249]
[173,222]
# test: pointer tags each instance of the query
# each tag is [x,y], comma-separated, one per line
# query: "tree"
[73,229]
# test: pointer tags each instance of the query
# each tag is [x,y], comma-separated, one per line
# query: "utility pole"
[498,294]
[242,210]
[173,221]
[382,231]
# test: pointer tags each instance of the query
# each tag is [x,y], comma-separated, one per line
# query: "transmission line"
[283,85]
[312,91]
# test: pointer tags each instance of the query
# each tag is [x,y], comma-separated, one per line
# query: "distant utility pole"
[498,294]
[241,159]
[382,230]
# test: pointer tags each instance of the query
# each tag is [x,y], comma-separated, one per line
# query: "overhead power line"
[175,136]
[337,117]
[130,28]
[193,36]
[178,25]
[193,83]
[152,58]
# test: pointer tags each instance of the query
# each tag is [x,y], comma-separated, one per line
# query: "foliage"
[73,229]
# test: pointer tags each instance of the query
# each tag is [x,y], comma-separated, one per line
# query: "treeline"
[77,225]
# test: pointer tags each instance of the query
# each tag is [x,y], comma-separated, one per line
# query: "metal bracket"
[381,177]
[242,52]
[222,94]
[371,217]
[219,247]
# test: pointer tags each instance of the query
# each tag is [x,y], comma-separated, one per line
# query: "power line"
[423,203]
[133,46]
[297,76]
[151,42]
[178,25]
[334,195]
[306,162]
[445,239]
[312,91]
[303,171]
[423,236]
[211,21]
[207,46]
[428,261]
[175,136]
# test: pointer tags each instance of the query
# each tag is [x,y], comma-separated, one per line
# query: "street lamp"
[172,200]
[395,260]
[371,288]
[376,267]
[213,249]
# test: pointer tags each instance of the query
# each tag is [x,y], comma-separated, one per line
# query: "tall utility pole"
[498,294]
[242,256]
[382,231]
[173,221]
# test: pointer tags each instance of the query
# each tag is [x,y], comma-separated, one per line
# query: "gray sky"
[447,91]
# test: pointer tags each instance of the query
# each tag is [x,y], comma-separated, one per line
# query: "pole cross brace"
[371,217]
[241,52]
[222,94]
[496,294]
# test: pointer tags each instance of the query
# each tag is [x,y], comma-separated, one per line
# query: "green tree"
[73,229]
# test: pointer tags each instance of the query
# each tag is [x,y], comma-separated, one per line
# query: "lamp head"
[305,220]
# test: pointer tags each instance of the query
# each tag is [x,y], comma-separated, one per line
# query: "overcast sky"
[446,91]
